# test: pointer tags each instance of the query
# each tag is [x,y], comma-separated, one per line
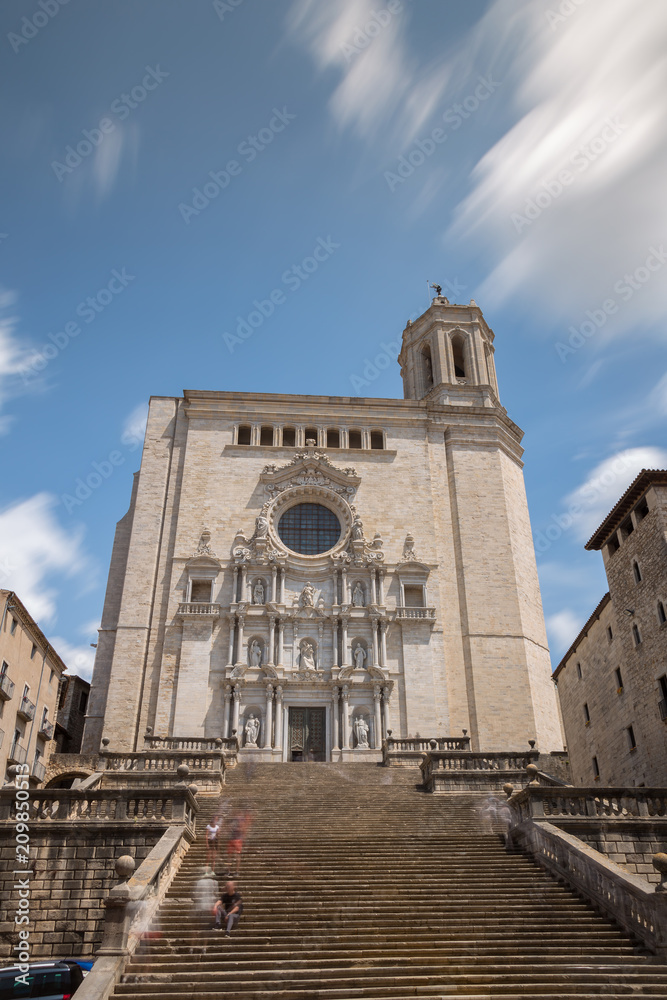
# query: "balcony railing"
[6,687]
[199,608]
[17,754]
[427,613]
[46,729]
[38,770]
[26,709]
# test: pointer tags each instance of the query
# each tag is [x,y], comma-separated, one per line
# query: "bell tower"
[447,356]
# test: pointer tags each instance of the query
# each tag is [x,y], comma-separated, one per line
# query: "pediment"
[310,468]
[203,562]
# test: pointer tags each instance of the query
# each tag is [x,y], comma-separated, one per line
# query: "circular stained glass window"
[309,528]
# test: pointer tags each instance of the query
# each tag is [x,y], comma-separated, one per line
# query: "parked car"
[47,980]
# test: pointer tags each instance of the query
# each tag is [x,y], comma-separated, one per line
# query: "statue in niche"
[258,593]
[357,528]
[358,596]
[308,596]
[307,659]
[359,656]
[261,526]
[255,654]
[361,731]
[251,731]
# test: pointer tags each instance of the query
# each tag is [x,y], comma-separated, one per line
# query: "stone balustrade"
[198,743]
[465,770]
[199,609]
[102,805]
[410,751]
[406,613]
[568,803]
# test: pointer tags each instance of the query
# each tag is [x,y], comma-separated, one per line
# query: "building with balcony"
[612,682]
[30,672]
[310,571]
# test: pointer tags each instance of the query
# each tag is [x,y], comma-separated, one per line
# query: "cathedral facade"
[310,572]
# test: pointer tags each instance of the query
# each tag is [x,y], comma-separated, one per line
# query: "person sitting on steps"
[229,907]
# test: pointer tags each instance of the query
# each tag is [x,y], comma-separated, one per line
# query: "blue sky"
[166,163]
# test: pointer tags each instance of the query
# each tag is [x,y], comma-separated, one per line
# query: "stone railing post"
[118,915]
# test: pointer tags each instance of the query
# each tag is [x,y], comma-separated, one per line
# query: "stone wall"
[631,846]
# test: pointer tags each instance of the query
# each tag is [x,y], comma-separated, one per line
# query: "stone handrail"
[197,743]
[162,760]
[130,908]
[473,761]
[198,608]
[428,613]
[119,805]
[423,745]
[626,898]
[567,803]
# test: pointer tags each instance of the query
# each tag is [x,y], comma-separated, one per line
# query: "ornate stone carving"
[255,654]
[251,731]
[258,593]
[269,670]
[307,599]
[307,656]
[310,469]
[409,554]
[204,546]
[361,732]
[358,600]
[359,654]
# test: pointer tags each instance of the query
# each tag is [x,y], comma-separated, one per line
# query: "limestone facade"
[420,614]
[30,672]
[612,682]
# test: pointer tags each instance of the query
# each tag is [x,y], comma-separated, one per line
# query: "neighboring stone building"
[612,682]
[311,571]
[30,671]
[72,706]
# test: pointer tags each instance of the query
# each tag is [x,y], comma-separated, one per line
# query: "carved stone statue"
[307,660]
[357,528]
[261,526]
[251,731]
[358,596]
[361,731]
[255,654]
[308,596]
[359,656]
[258,593]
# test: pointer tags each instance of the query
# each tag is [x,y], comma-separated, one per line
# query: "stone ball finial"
[660,865]
[433,744]
[193,788]
[125,865]
[182,771]
[149,730]
[218,741]
[508,789]
[105,741]
[532,770]
[531,744]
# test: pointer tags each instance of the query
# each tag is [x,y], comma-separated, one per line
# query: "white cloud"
[13,355]
[89,629]
[596,496]
[134,427]
[34,547]
[562,629]
[606,61]
[78,659]
[657,400]
[380,84]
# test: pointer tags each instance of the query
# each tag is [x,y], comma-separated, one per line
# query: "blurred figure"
[206,893]
[212,831]
[238,828]
[229,907]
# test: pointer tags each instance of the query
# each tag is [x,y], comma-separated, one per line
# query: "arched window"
[310,434]
[289,437]
[333,438]
[377,439]
[355,439]
[427,368]
[458,354]
[662,617]
[266,436]
[636,570]
[244,434]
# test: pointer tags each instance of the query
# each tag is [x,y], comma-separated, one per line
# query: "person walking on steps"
[229,907]
[212,831]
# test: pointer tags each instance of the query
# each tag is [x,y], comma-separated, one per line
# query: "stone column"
[281,628]
[232,623]
[268,727]
[334,574]
[377,695]
[235,585]
[345,698]
[381,588]
[385,704]
[274,575]
[344,656]
[243,583]
[383,643]
[334,640]
[227,694]
[320,639]
[373,595]
[282,585]
[279,717]
[240,652]
[335,695]
[272,638]
[374,627]
[235,712]
[345,596]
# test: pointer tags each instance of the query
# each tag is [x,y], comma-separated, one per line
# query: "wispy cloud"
[381,85]
[34,549]
[78,659]
[134,426]
[604,63]
[562,629]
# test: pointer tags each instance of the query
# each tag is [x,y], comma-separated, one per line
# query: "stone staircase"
[357,884]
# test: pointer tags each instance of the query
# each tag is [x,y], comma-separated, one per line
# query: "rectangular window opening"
[83,702]
[631,738]
[414,596]
[377,440]
[641,510]
[619,681]
[310,434]
[596,769]
[579,671]
[244,435]
[289,437]
[201,592]
[12,626]
[587,714]
[662,617]
[635,635]
[333,439]
[613,544]
[627,528]
[637,572]
[610,634]
[355,439]
[266,437]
